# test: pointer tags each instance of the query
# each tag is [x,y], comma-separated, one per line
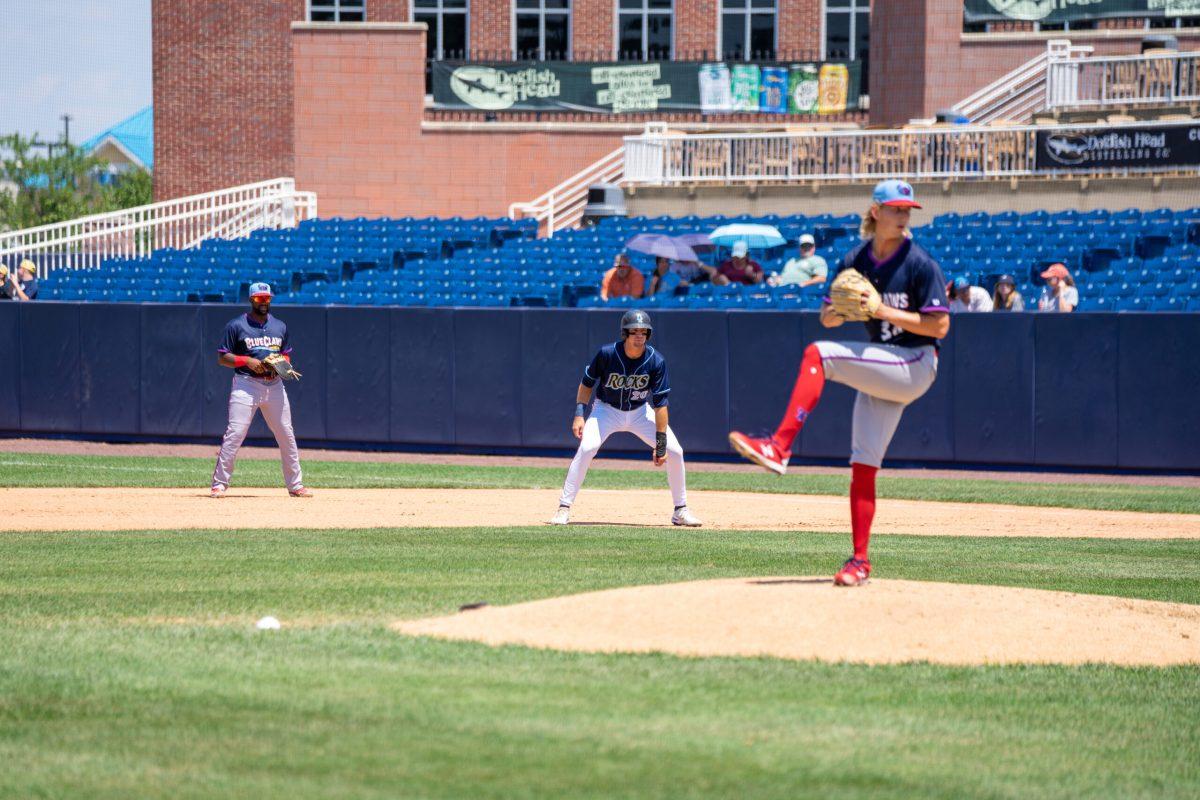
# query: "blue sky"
[87,58]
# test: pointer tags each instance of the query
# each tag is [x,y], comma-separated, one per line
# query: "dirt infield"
[39,509]
[887,621]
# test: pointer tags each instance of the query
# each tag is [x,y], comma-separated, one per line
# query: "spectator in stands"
[965,297]
[1006,297]
[622,280]
[739,268]
[663,279]
[690,272]
[23,285]
[807,270]
[1059,293]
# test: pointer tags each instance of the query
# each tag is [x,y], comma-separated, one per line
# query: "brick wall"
[900,30]
[921,62]
[359,143]
[385,11]
[592,29]
[222,93]
[696,26]
[799,26]
[491,27]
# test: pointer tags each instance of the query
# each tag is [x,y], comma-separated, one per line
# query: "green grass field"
[129,666]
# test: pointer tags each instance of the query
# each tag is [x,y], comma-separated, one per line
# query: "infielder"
[630,381]
[248,341]
[901,295]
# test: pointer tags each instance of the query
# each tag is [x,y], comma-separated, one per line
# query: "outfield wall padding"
[1081,390]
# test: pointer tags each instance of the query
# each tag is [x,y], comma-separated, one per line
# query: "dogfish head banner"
[1115,148]
[1071,10]
[618,88]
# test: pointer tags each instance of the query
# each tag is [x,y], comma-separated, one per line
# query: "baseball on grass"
[267,624]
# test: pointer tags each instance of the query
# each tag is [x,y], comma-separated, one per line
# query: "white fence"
[183,223]
[658,158]
[1153,78]
[1017,95]
[562,206]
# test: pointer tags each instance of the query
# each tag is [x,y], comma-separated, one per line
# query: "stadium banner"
[617,88]
[1072,10]
[1109,148]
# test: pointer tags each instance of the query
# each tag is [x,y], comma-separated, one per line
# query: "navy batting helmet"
[635,320]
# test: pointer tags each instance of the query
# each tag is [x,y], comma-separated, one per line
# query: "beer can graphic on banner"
[745,87]
[772,98]
[803,89]
[716,96]
[834,88]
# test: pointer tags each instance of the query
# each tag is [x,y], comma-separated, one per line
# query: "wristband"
[580,409]
[660,444]
[240,361]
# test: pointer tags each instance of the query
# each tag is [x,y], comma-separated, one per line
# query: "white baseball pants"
[246,396]
[604,422]
[887,378]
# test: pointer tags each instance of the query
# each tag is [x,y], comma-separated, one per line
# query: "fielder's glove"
[279,365]
[853,296]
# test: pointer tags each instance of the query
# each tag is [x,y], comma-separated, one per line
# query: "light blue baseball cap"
[895,193]
[961,283]
[259,289]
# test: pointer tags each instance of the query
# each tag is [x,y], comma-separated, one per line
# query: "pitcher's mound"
[887,621]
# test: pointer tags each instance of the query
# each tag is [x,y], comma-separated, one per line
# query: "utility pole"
[66,118]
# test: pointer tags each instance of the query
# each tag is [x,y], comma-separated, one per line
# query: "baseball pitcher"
[898,290]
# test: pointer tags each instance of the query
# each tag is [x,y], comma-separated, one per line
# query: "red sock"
[805,395]
[862,506]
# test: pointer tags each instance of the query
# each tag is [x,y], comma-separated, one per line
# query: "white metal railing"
[1164,78]
[182,223]
[562,206]
[1016,95]
[659,157]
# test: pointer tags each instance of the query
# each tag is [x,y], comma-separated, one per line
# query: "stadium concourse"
[1124,260]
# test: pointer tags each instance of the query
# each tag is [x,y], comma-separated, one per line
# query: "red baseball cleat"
[300,491]
[855,572]
[217,492]
[761,451]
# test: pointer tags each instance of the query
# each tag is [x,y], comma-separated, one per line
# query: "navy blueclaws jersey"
[627,383]
[245,337]
[909,280]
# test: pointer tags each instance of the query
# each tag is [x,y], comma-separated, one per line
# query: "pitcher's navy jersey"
[245,337]
[627,383]
[909,280]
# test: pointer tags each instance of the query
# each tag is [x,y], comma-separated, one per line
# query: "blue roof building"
[127,145]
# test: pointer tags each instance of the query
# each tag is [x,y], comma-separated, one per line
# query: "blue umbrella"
[755,236]
[659,244]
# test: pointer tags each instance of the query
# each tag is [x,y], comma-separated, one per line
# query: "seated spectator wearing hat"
[622,280]
[1005,297]
[965,297]
[23,285]
[739,268]
[807,270]
[1059,293]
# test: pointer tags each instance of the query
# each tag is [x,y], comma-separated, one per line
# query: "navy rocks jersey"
[245,337]
[628,383]
[909,280]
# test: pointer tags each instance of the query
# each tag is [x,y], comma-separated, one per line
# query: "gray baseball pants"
[887,378]
[246,396]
